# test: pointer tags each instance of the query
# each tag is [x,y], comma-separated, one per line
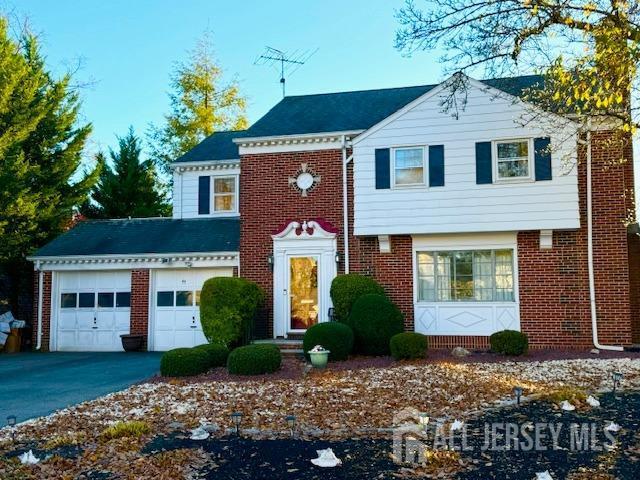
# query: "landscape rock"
[460,352]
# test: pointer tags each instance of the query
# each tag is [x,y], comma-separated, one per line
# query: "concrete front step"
[287,346]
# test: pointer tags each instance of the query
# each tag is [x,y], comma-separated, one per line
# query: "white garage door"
[93,310]
[176,300]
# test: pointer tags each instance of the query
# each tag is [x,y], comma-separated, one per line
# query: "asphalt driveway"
[36,384]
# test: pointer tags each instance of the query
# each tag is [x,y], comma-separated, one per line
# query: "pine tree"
[129,187]
[200,105]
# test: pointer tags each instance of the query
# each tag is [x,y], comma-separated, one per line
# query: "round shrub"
[346,289]
[375,320]
[228,306]
[509,342]
[217,354]
[334,336]
[183,362]
[254,359]
[408,346]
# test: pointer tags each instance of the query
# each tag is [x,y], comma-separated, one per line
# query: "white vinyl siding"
[462,205]
[185,193]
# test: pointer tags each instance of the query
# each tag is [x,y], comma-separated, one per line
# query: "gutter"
[40,297]
[345,202]
[592,286]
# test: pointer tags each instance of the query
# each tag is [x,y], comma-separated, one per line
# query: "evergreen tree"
[200,105]
[127,188]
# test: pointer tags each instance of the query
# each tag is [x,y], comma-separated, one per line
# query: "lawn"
[349,410]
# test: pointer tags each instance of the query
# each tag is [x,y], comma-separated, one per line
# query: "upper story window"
[224,194]
[466,276]
[513,158]
[408,166]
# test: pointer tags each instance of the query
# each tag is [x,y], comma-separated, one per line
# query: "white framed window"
[465,276]
[224,196]
[408,167]
[513,159]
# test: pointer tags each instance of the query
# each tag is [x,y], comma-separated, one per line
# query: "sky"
[127,50]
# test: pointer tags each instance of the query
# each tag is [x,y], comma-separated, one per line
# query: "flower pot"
[319,359]
[132,343]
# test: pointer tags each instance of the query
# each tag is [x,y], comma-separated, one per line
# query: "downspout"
[345,202]
[39,320]
[592,282]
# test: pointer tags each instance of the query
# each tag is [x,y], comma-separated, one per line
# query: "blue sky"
[128,49]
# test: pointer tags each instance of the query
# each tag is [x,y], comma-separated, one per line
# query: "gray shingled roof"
[146,236]
[332,112]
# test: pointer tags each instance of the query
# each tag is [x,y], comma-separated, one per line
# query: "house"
[473,223]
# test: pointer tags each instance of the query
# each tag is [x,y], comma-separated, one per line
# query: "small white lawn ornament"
[326,458]
[456,425]
[199,434]
[566,405]
[544,475]
[28,458]
[593,401]
[612,427]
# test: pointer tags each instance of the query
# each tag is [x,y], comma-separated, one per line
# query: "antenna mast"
[285,63]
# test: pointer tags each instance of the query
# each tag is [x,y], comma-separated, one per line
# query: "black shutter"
[542,158]
[436,165]
[383,168]
[483,163]
[204,195]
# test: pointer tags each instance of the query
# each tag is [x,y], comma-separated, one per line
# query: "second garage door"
[176,300]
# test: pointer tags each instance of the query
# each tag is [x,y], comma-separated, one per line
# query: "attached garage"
[92,310]
[176,306]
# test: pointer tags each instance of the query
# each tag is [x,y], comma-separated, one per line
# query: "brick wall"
[140,302]
[46,310]
[634,281]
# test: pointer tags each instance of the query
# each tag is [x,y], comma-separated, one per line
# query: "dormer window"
[513,159]
[224,194]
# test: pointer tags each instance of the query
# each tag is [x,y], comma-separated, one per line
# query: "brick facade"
[140,302]
[46,310]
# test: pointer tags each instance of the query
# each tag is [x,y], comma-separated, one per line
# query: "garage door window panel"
[184,298]
[86,300]
[165,299]
[123,300]
[68,300]
[105,300]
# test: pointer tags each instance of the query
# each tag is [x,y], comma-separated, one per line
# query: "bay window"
[465,276]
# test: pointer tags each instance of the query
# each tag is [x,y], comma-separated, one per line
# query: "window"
[465,276]
[68,300]
[513,160]
[105,300]
[224,194]
[198,292]
[184,298]
[164,299]
[123,299]
[408,166]
[86,300]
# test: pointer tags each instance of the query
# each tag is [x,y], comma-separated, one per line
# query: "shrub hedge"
[254,359]
[408,346]
[375,319]
[346,289]
[183,362]
[217,354]
[228,306]
[509,342]
[334,336]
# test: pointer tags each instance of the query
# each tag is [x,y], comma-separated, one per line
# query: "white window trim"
[212,200]
[494,157]
[425,170]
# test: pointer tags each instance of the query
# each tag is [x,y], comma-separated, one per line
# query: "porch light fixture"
[423,419]
[270,261]
[236,418]
[291,421]
[339,257]
[617,379]
[517,391]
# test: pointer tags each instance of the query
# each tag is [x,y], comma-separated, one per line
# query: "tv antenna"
[285,63]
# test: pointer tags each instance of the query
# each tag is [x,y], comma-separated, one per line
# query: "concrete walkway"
[36,384]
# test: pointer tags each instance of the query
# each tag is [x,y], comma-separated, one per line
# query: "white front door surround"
[311,239]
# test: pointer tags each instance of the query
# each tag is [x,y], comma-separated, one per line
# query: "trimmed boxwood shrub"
[408,346]
[228,306]
[254,359]
[217,354]
[375,319]
[334,336]
[184,362]
[509,342]
[346,289]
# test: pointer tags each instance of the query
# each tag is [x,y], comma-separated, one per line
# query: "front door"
[304,295]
